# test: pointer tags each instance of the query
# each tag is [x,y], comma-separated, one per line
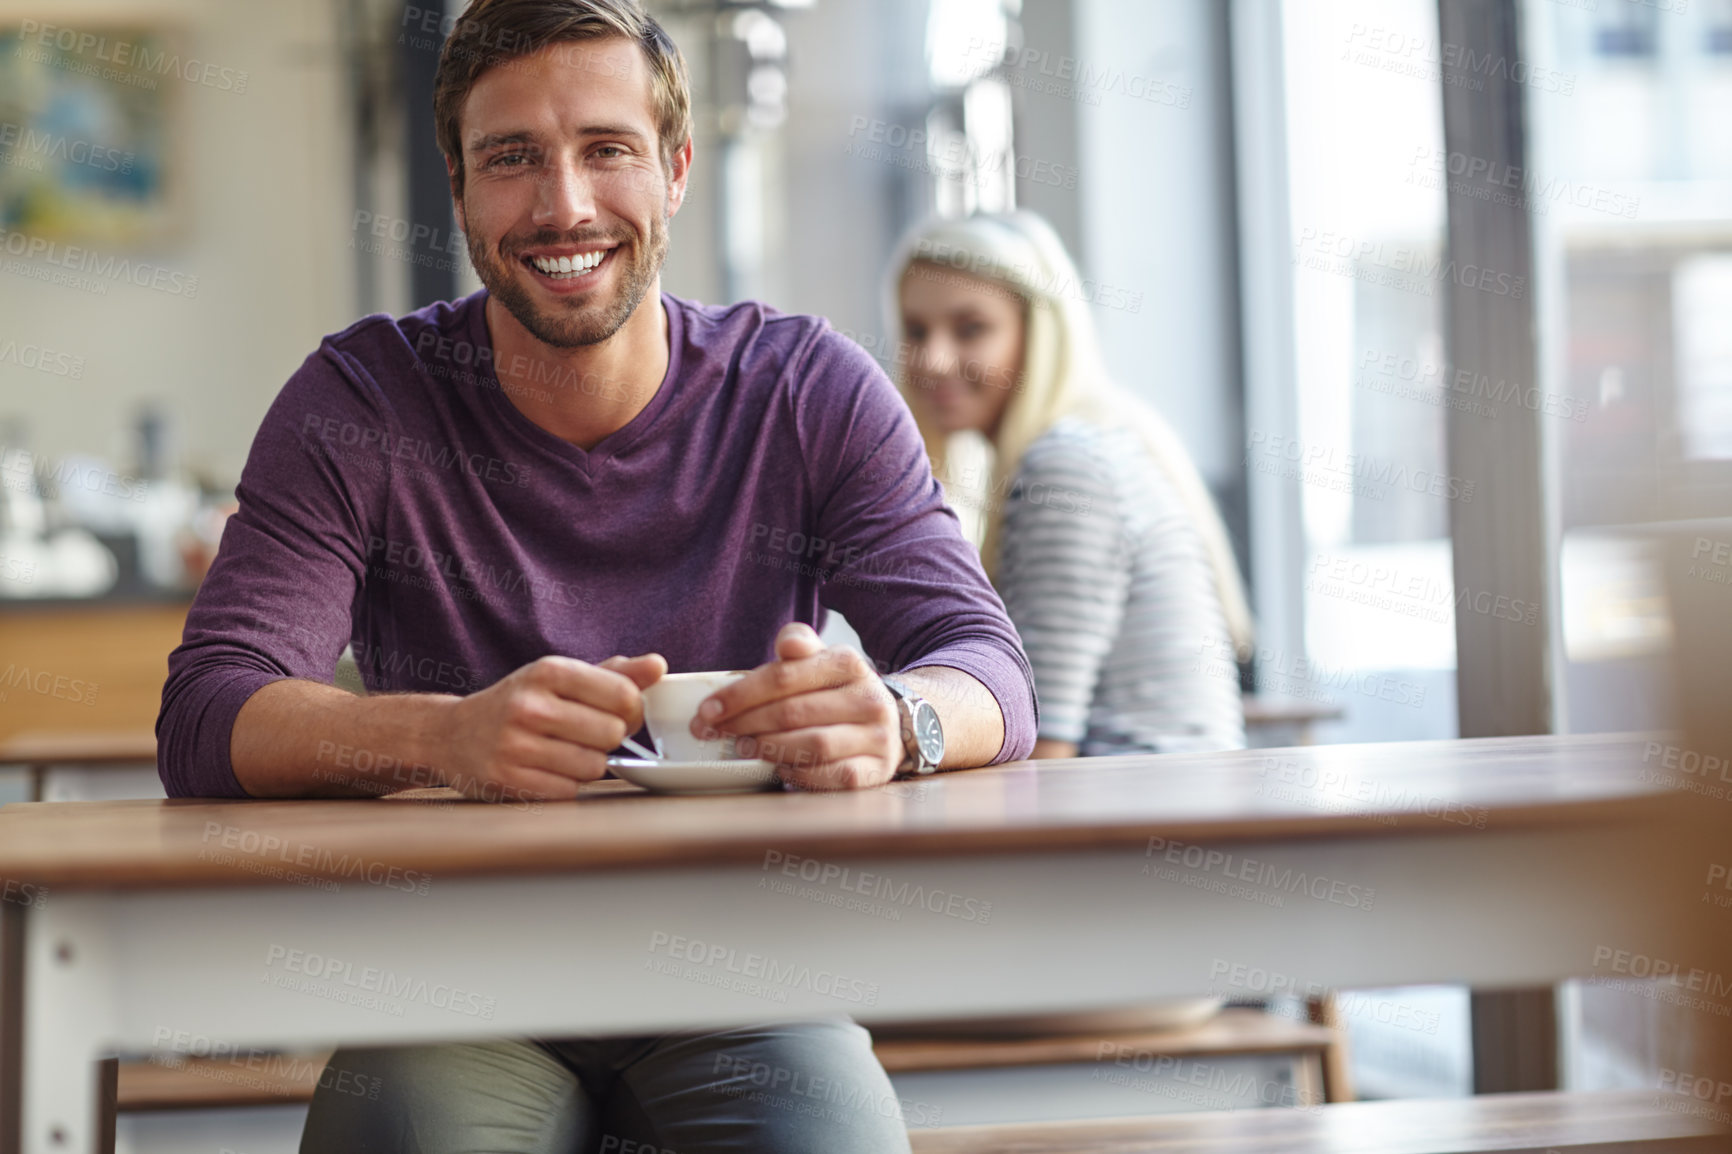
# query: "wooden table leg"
[107,1103]
[1309,1081]
[11,1028]
[1515,1040]
[1337,1076]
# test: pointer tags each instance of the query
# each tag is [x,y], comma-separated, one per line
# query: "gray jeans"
[795,1087]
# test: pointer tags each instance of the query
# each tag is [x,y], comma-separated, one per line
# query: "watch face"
[929,733]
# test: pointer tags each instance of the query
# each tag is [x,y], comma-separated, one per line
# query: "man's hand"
[540,731]
[822,715]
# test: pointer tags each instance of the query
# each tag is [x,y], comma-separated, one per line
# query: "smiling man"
[522,508]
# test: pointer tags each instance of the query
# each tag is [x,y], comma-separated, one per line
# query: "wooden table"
[1030,888]
[40,751]
[1266,715]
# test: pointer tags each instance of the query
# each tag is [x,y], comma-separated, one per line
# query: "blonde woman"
[1098,532]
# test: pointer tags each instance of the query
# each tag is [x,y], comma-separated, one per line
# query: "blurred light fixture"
[971,139]
[767,92]
[965,40]
[762,36]
[751,76]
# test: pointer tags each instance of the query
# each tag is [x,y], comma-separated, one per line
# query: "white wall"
[268,230]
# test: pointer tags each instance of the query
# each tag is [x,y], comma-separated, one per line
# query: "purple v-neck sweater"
[396,500]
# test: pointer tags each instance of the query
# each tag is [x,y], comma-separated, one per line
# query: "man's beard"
[574,322]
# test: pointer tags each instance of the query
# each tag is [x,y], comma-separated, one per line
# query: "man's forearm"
[973,723]
[303,739]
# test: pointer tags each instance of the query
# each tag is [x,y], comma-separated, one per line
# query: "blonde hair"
[1062,376]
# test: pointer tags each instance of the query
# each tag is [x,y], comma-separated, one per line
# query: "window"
[1631,188]
[1366,453]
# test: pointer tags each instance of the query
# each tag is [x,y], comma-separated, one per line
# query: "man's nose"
[565,198]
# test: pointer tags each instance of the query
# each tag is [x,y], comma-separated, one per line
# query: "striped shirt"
[1107,580]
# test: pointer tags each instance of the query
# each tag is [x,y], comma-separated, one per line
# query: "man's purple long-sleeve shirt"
[396,500]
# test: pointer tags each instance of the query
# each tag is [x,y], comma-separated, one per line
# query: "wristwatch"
[922,735]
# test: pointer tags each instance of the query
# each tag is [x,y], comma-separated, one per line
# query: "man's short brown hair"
[495,32]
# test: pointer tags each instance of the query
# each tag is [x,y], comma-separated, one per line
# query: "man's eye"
[508,159]
[612,149]
[970,332]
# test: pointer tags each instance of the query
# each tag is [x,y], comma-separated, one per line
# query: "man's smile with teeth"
[568,267]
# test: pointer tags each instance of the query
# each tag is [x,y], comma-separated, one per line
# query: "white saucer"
[738,776]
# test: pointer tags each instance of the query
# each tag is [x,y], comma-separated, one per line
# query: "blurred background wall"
[263,190]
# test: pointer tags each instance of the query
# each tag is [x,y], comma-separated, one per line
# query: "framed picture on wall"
[88,132]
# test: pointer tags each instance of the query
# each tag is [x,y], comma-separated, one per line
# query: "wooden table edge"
[455,862]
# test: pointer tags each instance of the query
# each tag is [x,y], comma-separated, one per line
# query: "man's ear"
[456,193]
[682,169]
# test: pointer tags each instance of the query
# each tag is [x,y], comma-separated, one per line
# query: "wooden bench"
[206,1084]
[1626,1122]
[273,1080]
[1231,1033]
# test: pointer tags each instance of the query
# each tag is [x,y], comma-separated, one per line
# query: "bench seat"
[1232,1031]
[196,1083]
[204,1084]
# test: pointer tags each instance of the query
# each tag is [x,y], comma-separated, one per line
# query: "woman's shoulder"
[1076,468]
[1113,461]
[1073,445]
[1066,457]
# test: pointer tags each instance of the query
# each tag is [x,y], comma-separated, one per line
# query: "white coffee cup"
[669,706]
